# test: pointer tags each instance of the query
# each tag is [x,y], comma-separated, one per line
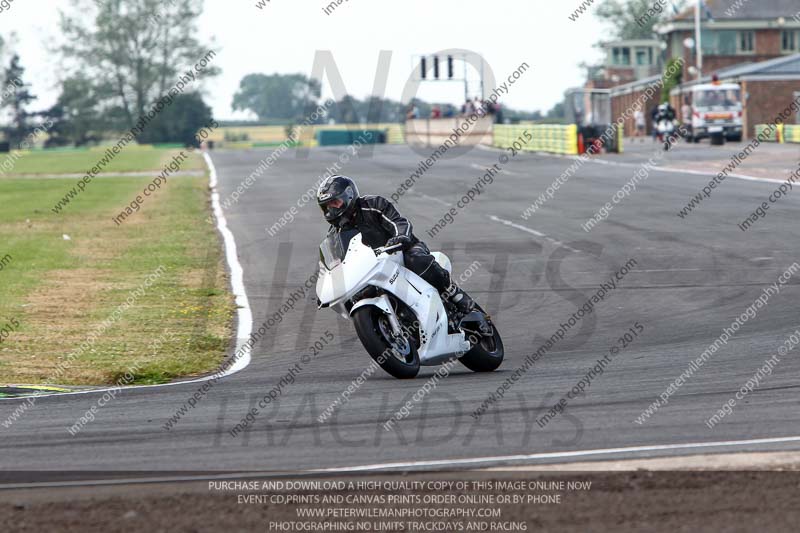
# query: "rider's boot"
[437,276]
[461,299]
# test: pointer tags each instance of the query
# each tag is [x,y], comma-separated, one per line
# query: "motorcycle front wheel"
[397,356]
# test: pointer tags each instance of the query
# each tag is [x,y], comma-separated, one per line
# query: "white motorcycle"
[401,319]
[666,132]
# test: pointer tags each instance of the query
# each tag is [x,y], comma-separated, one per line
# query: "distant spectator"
[498,113]
[436,112]
[686,112]
[641,124]
[468,108]
[686,116]
[449,111]
[479,107]
[413,112]
[654,117]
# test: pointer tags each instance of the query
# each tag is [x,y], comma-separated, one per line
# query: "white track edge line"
[672,170]
[707,174]
[431,198]
[402,465]
[244,313]
[532,232]
[559,455]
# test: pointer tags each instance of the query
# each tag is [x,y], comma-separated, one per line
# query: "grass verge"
[69,273]
[79,161]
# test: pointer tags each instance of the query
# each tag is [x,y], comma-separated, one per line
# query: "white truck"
[716,110]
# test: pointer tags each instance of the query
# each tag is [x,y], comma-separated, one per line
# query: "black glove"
[403,240]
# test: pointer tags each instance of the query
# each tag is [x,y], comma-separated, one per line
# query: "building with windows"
[754,43]
[628,61]
[738,32]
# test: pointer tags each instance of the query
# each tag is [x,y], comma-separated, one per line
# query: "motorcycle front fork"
[395,324]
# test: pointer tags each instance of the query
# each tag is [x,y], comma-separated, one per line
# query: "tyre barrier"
[594,139]
[556,139]
[791,133]
[769,133]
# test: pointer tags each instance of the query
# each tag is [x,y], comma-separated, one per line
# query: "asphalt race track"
[692,278]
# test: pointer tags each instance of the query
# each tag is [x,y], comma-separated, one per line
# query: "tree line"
[117,58]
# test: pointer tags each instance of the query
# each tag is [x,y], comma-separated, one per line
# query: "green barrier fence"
[395,133]
[555,139]
[274,144]
[344,137]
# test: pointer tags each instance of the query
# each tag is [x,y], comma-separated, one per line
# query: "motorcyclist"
[665,112]
[380,224]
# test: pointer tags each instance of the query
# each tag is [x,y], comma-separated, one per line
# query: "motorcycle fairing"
[361,267]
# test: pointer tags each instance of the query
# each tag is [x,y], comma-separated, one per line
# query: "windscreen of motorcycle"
[333,249]
[345,263]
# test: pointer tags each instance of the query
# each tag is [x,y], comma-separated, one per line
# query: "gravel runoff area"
[641,500]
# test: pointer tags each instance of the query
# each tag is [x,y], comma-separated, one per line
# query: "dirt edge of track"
[644,498]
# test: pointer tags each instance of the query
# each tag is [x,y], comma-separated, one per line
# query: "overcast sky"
[284,36]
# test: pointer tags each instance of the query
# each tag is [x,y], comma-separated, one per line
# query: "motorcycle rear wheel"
[397,357]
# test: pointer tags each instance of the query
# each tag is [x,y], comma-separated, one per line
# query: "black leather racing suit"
[668,114]
[378,221]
